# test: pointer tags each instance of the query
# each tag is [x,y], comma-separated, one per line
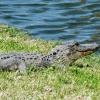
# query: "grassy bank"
[70,83]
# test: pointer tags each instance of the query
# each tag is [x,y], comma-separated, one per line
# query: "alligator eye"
[77,44]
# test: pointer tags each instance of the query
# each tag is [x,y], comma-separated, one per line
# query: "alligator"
[66,53]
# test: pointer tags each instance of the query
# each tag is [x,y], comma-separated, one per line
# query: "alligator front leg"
[22,67]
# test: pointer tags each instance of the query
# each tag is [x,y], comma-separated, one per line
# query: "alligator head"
[82,49]
[72,50]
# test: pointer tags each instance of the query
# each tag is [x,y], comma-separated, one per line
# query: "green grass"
[53,83]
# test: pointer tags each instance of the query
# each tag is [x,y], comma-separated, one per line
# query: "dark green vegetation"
[51,83]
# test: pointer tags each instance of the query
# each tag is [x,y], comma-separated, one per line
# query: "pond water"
[54,19]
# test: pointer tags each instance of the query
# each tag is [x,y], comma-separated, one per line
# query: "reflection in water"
[54,19]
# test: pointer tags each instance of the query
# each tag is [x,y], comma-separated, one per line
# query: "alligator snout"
[88,47]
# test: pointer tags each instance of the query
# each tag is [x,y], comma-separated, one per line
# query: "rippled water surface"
[54,19]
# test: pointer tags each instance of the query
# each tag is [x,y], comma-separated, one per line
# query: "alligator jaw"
[86,49]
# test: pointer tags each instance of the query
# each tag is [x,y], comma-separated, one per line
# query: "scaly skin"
[65,54]
[68,53]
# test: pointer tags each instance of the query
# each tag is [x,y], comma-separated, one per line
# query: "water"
[54,19]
